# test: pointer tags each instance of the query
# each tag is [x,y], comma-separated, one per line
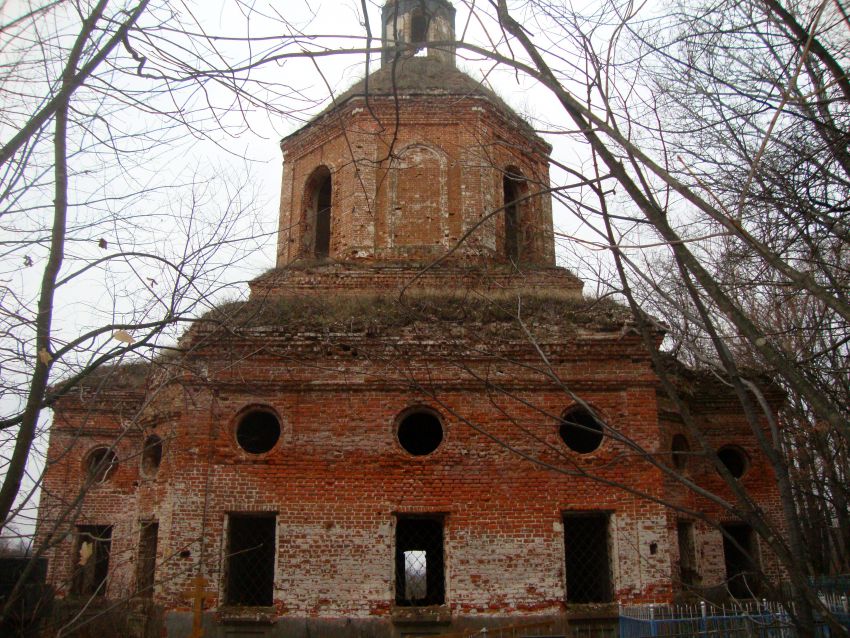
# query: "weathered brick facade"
[429,300]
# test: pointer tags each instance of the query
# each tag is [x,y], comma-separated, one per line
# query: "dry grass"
[130,375]
[550,317]
[360,313]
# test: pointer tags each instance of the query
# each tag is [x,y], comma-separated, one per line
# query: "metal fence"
[544,628]
[559,627]
[834,585]
[751,620]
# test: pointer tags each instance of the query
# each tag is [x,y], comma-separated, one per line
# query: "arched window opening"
[580,431]
[151,455]
[100,464]
[323,219]
[318,213]
[418,29]
[680,449]
[735,460]
[512,193]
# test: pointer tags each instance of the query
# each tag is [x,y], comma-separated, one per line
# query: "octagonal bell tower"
[408,26]
[415,163]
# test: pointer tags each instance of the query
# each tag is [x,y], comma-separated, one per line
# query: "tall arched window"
[513,190]
[317,214]
[418,28]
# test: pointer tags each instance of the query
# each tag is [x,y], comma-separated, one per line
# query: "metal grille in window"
[250,560]
[420,577]
[91,560]
[587,562]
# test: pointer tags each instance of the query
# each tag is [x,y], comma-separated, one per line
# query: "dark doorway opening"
[146,566]
[419,573]
[91,560]
[739,554]
[687,553]
[250,560]
[587,561]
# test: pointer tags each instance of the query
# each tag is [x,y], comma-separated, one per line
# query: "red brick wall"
[719,419]
[68,499]
[339,474]
[337,478]
[412,183]
[332,279]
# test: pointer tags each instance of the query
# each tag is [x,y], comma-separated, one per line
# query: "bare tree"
[716,138]
[717,135]
[100,98]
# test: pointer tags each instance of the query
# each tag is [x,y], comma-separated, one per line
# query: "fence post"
[703,621]
[620,626]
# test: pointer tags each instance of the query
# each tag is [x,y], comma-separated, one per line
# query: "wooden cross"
[198,594]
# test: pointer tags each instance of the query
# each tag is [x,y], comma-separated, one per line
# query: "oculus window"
[420,432]
[258,431]
[580,431]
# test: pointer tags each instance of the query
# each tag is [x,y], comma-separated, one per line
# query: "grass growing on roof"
[358,312]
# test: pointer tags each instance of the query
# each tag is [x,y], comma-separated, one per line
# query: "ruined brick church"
[416,424]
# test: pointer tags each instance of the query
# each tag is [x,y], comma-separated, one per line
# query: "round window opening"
[580,431]
[258,432]
[680,449]
[734,459]
[152,455]
[420,432]
[100,464]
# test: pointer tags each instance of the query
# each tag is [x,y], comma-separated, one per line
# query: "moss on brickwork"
[493,318]
[356,313]
[711,386]
[130,376]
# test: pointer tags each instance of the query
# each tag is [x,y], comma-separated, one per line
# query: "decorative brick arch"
[418,197]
